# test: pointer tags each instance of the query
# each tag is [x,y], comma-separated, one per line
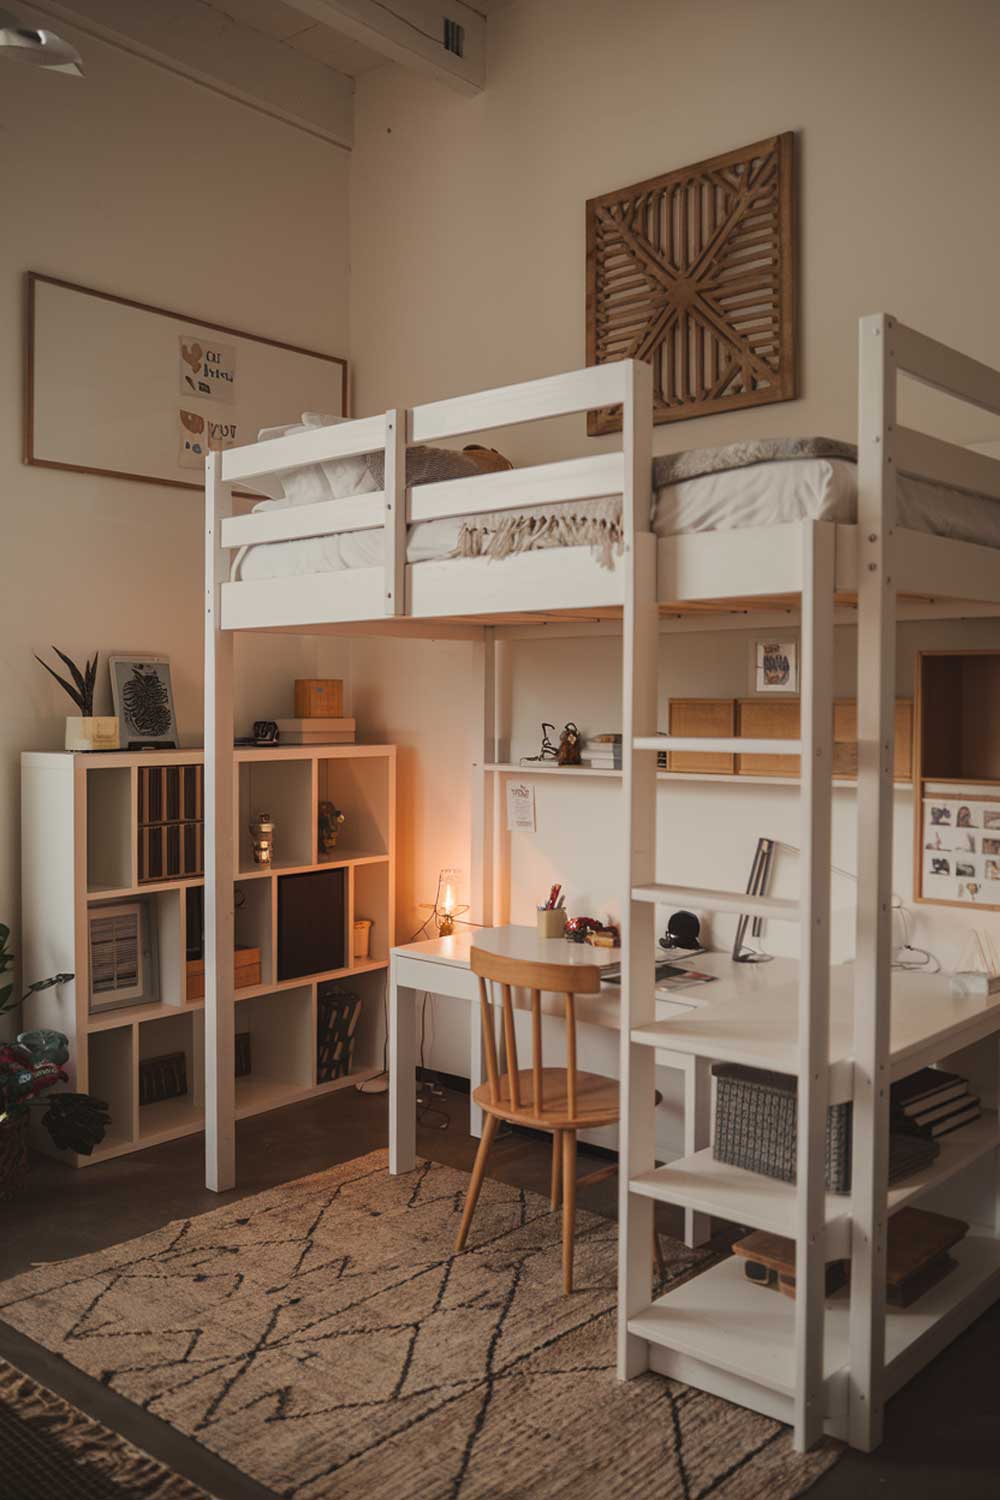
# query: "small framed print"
[774,665]
[143,702]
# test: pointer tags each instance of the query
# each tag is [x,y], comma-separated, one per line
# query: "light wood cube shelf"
[80,830]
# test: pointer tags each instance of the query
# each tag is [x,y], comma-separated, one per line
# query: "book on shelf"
[601,762]
[317,726]
[925,1088]
[604,739]
[949,1117]
[294,737]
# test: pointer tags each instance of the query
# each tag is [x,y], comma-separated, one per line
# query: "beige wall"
[468,216]
[468,271]
[136,182]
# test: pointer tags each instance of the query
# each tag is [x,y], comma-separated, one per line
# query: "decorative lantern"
[262,838]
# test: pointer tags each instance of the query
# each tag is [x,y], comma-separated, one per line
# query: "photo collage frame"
[961,849]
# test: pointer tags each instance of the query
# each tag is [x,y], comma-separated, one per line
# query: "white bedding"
[764,494]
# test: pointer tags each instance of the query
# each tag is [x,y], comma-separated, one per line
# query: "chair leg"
[569,1206]
[556,1165]
[476,1180]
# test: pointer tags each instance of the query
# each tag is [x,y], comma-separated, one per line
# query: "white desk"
[440,966]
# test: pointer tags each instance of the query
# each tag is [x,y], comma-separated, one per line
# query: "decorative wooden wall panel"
[694,272]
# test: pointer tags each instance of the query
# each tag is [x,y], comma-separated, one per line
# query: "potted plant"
[89,731]
[29,1066]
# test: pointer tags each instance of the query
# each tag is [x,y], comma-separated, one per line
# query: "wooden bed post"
[815,802]
[220,872]
[873,974]
[636,1131]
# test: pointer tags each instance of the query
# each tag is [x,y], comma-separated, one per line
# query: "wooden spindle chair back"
[568,980]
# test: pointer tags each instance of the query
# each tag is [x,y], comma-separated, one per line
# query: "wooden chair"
[560,1100]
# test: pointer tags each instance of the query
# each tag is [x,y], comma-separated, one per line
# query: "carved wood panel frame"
[695,272]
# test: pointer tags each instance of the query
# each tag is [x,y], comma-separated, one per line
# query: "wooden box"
[709,718]
[768,719]
[319,698]
[247,961]
[778,719]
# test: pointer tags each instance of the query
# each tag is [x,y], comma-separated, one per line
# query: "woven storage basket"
[756,1126]
[13,1158]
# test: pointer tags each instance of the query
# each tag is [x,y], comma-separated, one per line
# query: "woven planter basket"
[13,1158]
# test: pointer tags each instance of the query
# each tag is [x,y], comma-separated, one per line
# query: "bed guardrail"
[395,506]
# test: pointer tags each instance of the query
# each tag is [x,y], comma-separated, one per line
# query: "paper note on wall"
[520,806]
[207,369]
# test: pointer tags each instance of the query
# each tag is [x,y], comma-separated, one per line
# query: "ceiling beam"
[209,48]
[412,32]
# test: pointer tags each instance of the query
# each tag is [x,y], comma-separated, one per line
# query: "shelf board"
[713,1187]
[107,1020]
[279,986]
[342,859]
[726,1322]
[148,888]
[840,783]
[169,1118]
[255,1096]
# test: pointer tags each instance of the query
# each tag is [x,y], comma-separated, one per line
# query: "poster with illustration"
[207,369]
[775,666]
[198,435]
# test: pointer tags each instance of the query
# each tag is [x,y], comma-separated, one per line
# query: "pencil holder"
[551,924]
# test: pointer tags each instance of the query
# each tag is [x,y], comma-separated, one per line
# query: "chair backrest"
[569,980]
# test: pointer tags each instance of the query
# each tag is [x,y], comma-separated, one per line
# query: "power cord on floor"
[429,1114]
[379,1082]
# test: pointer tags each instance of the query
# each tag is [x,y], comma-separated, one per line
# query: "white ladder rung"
[727,901]
[728,745]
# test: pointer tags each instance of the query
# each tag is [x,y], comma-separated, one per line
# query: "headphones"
[683,931]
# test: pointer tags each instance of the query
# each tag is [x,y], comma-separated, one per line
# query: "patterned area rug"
[50,1449]
[324,1338]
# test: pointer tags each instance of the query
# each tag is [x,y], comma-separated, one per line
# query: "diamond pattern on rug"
[325,1338]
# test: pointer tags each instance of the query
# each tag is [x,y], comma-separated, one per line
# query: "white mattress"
[765,494]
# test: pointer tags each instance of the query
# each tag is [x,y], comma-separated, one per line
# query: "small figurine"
[331,820]
[548,750]
[262,839]
[569,746]
[578,927]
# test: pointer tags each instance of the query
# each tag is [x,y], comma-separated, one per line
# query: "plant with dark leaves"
[81,689]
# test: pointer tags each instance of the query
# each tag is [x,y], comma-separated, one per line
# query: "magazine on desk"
[669,976]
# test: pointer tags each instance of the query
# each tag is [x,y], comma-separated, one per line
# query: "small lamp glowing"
[446,902]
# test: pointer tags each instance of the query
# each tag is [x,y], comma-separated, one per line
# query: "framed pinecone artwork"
[143,702]
[695,273]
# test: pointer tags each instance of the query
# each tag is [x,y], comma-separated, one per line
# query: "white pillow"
[336,479]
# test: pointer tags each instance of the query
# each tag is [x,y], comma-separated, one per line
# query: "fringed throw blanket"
[598,523]
[587,523]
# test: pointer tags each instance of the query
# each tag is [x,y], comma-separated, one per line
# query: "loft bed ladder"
[876,690]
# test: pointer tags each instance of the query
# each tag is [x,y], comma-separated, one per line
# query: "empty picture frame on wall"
[132,391]
[694,272]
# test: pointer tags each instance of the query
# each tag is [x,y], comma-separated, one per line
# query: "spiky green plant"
[81,689]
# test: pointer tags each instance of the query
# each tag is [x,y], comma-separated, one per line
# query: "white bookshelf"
[79,853]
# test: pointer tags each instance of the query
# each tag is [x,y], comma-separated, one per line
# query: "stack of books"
[316,731]
[602,752]
[933,1103]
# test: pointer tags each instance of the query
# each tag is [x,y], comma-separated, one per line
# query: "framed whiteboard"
[131,391]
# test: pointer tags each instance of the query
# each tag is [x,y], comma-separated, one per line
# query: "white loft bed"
[841,1381]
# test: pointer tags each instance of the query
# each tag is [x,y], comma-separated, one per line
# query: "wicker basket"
[756,1126]
[13,1158]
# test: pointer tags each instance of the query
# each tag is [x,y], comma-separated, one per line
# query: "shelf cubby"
[282,1029]
[157,1038]
[371,900]
[284,790]
[111,1077]
[110,830]
[362,790]
[255,922]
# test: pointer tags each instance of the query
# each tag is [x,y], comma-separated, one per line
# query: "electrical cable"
[428,1090]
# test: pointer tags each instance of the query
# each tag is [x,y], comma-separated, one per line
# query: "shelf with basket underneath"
[739,1339]
[702,1183]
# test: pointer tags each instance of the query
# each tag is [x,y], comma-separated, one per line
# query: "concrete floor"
[942,1432]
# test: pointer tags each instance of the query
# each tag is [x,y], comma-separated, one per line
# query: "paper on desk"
[520,806]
